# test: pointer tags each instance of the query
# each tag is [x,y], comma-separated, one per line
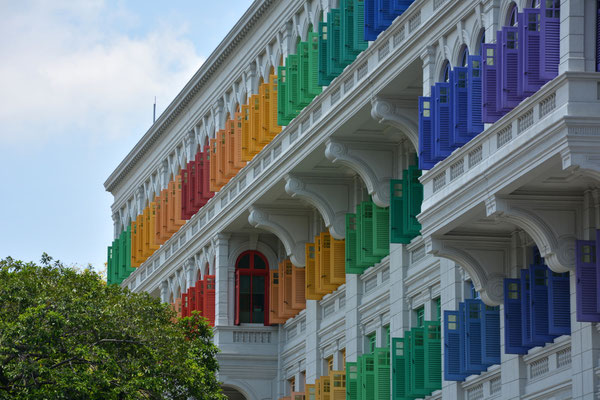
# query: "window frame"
[252,272]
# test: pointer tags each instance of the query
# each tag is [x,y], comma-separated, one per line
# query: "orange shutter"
[146,231]
[164,214]
[326,262]
[134,255]
[221,180]
[140,239]
[338,261]
[213,165]
[282,309]
[152,228]
[325,384]
[263,133]
[299,288]
[274,129]
[255,127]
[246,133]
[158,223]
[338,385]
[311,286]
[288,301]
[178,220]
[274,298]
[237,143]
[320,287]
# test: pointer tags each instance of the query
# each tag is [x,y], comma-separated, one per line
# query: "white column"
[429,78]
[221,244]
[353,334]
[399,263]
[313,355]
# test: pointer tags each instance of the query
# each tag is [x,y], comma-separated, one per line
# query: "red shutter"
[209,299]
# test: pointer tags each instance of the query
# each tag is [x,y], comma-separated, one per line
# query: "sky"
[77,87]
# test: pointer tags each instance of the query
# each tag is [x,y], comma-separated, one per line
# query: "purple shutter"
[538,303]
[559,304]
[426,160]
[490,83]
[458,83]
[527,338]
[453,354]
[513,343]
[530,51]
[370,31]
[490,335]
[510,81]
[443,120]
[586,285]
[474,100]
[597,244]
[473,344]
[598,37]
[550,39]
[401,5]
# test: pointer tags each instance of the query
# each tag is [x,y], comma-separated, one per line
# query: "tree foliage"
[65,334]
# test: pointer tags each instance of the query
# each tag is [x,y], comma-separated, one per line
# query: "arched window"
[481,42]
[511,19]
[445,75]
[251,288]
[464,54]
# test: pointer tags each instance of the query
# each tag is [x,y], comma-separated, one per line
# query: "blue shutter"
[598,36]
[401,5]
[550,41]
[513,342]
[530,51]
[460,93]
[473,344]
[586,284]
[559,304]
[426,159]
[443,120]
[370,31]
[489,89]
[490,335]
[526,311]
[538,303]
[384,15]
[510,78]
[453,353]
[474,99]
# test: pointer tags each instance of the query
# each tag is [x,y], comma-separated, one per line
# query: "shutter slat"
[513,340]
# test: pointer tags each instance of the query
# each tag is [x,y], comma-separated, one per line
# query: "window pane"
[259,263]
[244,305]
[258,299]
[244,262]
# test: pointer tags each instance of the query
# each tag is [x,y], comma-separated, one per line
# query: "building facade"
[374,199]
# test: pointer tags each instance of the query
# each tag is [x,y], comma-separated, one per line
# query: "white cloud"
[72,67]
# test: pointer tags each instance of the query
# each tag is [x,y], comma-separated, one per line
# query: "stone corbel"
[582,156]
[291,226]
[554,223]
[374,162]
[330,195]
[485,259]
[390,112]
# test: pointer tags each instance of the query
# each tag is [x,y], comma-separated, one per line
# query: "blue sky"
[77,84]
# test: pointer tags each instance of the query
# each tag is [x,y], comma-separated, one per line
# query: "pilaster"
[221,246]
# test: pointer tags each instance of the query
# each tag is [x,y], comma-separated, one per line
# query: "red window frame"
[251,271]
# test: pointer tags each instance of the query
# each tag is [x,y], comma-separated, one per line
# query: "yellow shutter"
[338,261]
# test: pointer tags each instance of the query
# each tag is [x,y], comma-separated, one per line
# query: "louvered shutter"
[158,222]
[385,14]
[550,39]
[311,392]
[366,231]
[313,65]
[401,5]
[165,234]
[351,246]
[559,304]
[325,262]
[453,353]
[413,198]
[370,31]
[264,136]
[426,127]
[347,52]
[127,249]
[200,296]
[459,91]
[360,377]
[408,364]
[324,78]
[433,356]
[598,36]
[396,212]
[213,166]
[274,127]
[293,103]
[288,300]
[538,282]
[382,372]
[298,288]
[255,120]
[473,342]
[398,369]
[282,98]
[526,311]
[417,357]
[184,305]
[513,340]
[474,99]
[209,298]
[274,298]
[283,309]
[318,389]
[511,80]
[587,281]
[311,284]
[490,84]
[368,375]
[179,221]
[443,120]
[381,231]
[358,41]
[319,287]
[530,51]
[337,380]
[304,97]
[109,266]
[185,185]
[351,381]
[337,263]
[490,335]
[152,228]
[228,171]
[325,388]
[334,41]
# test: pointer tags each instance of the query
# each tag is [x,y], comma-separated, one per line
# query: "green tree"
[65,334]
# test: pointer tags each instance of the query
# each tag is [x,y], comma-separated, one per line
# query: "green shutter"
[351,239]
[109,265]
[324,78]
[433,356]
[334,42]
[412,205]
[351,381]
[304,98]
[359,377]
[282,117]
[359,42]
[293,81]
[396,213]
[398,369]
[382,373]
[313,65]
[122,256]
[368,377]
[417,360]
[408,365]
[364,228]
[347,31]
[128,250]
[381,231]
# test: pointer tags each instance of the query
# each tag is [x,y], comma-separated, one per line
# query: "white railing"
[484,386]
[379,52]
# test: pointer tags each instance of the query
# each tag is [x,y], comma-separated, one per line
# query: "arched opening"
[463,56]
[251,288]
[445,72]
[232,394]
[535,4]
[511,16]
[481,42]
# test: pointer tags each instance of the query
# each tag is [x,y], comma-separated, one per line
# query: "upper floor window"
[535,4]
[252,289]
[420,317]
[512,15]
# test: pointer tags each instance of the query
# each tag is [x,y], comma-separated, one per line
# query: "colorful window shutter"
[398,369]
[311,284]
[460,100]
[200,296]
[304,97]
[473,329]
[530,51]
[274,128]
[347,52]
[510,78]
[513,340]
[293,82]
[490,85]
[325,262]
[337,380]
[313,65]
[311,392]
[587,281]
[408,365]
[298,288]
[411,206]
[358,41]
[550,38]
[184,305]
[426,127]
[288,300]
[526,311]
[370,31]
[334,41]
[396,213]
[364,226]
[209,298]
[110,269]
[381,231]
[401,5]
[282,98]
[351,381]
[324,78]
[443,120]
[453,347]
[368,375]
[337,263]
[490,335]
[474,96]
[433,356]
[351,246]
[417,359]
[360,378]
[538,303]
[559,304]
[274,298]
[382,373]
